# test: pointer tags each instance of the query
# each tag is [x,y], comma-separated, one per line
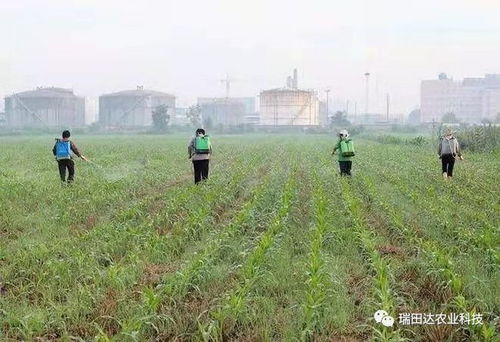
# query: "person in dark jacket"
[200,155]
[448,151]
[62,150]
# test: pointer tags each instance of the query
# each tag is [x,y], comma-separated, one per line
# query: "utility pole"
[327,92]
[355,110]
[388,103]
[227,81]
[367,92]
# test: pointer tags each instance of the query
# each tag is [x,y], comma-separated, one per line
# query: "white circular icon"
[379,315]
[388,321]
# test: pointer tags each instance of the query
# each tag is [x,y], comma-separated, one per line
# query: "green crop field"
[275,246]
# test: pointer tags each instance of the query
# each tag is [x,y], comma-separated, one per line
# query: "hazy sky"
[186,47]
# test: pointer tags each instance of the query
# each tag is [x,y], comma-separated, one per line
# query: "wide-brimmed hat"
[449,131]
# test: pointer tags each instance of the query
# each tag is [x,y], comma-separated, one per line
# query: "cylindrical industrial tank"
[132,108]
[289,107]
[45,107]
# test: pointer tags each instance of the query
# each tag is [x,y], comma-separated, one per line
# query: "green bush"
[480,138]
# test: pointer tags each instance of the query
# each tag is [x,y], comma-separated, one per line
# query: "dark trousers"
[66,164]
[447,160]
[345,167]
[200,170]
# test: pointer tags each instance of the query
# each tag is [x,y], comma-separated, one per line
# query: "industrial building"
[179,117]
[289,106]
[132,108]
[45,107]
[227,111]
[471,100]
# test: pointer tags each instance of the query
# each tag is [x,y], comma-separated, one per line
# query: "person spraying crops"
[346,152]
[62,150]
[199,150]
[448,151]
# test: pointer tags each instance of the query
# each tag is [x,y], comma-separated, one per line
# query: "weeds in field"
[234,302]
[316,275]
[254,253]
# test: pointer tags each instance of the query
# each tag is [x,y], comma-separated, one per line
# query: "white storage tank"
[132,108]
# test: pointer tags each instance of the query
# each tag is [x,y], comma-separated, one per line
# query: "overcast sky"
[186,47]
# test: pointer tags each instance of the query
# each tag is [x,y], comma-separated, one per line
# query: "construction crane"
[227,82]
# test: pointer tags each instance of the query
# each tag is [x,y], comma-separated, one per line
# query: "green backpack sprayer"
[346,148]
[202,145]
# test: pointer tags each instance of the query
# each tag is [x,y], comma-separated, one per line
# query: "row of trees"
[161,117]
[452,118]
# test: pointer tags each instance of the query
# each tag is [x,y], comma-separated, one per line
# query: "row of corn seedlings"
[317,277]
[186,229]
[439,257]
[217,194]
[343,306]
[132,231]
[182,238]
[432,203]
[384,296]
[469,233]
[234,302]
[176,287]
[481,201]
[185,280]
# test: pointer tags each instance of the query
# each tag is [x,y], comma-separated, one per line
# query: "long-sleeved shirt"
[449,146]
[197,156]
[74,149]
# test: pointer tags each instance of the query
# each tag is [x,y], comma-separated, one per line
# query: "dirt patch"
[344,339]
[158,204]
[153,273]
[390,250]
[223,212]
[196,304]
[440,333]
[89,223]
[106,311]
[47,337]
[432,290]
[3,290]
[358,290]
[375,221]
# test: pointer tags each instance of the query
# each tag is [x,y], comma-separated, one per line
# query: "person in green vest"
[346,151]
[199,151]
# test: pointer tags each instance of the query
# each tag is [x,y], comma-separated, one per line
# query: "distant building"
[370,119]
[45,107]
[471,100]
[289,106]
[132,108]
[324,120]
[3,119]
[179,117]
[227,111]
[415,117]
